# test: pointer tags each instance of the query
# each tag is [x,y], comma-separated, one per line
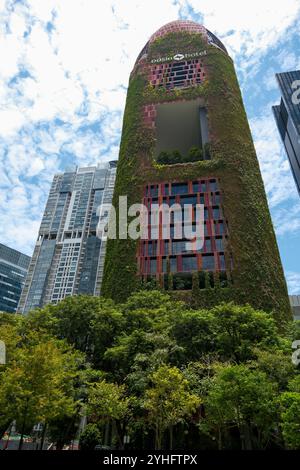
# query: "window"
[172,264]
[179,188]
[153,266]
[222,262]
[196,186]
[188,200]
[213,185]
[208,262]
[216,212]
[221,228]
[217,198]
[154,190]
[189,263]
[208,248]
[178,247]
[152,248]
[203,186]
[219,244]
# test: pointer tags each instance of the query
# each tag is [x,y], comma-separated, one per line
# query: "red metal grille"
[177,74]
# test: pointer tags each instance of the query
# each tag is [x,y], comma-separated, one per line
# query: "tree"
[10,336]
[239,328]
[230,330]
[176,157]
[163,158]
[87,323]
[195,154]
[108,402]
[37,384]
[244,399]
[290,419]
[62,430]
[276,364]
[168,402]
[90,437]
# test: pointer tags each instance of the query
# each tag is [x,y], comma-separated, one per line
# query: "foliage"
[168,402]
[195,154]
[37,385]
[290,419]
[243,399]
[90,437]
[229,330]
[251,256]
[90,328]
[148,366]
[108,402]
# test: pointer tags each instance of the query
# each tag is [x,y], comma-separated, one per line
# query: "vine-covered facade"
[186,139]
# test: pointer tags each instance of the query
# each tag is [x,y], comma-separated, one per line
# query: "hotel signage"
[178,56]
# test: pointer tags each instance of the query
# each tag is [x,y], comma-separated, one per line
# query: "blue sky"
[63,76]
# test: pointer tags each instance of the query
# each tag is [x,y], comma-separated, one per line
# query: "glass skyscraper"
[287,116]
[69,254]
[13,269]
[295,304]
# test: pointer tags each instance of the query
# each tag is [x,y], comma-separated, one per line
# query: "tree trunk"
[219,439]
[22,434]
[245,437]
[4,428]
[43,436]
[171,437]
[8,437]
[119,433]
[23,426]
[158,437]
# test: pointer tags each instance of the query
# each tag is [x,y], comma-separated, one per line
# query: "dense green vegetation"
[195,154]
[256,269]
[153,370]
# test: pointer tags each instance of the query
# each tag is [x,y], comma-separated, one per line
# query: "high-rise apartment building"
[287,116]
[13,270]
[69,254]
[295,304]
[186,140]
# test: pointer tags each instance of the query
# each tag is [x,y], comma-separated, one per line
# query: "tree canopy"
[154,370]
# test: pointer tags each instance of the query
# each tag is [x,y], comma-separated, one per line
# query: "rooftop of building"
[13,256]
[183,26]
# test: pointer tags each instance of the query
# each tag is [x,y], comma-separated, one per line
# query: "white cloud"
[68,109]
[274,165]
[249,27]
[293,282]
[287,219]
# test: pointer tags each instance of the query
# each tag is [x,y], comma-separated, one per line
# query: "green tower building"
[186,140]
